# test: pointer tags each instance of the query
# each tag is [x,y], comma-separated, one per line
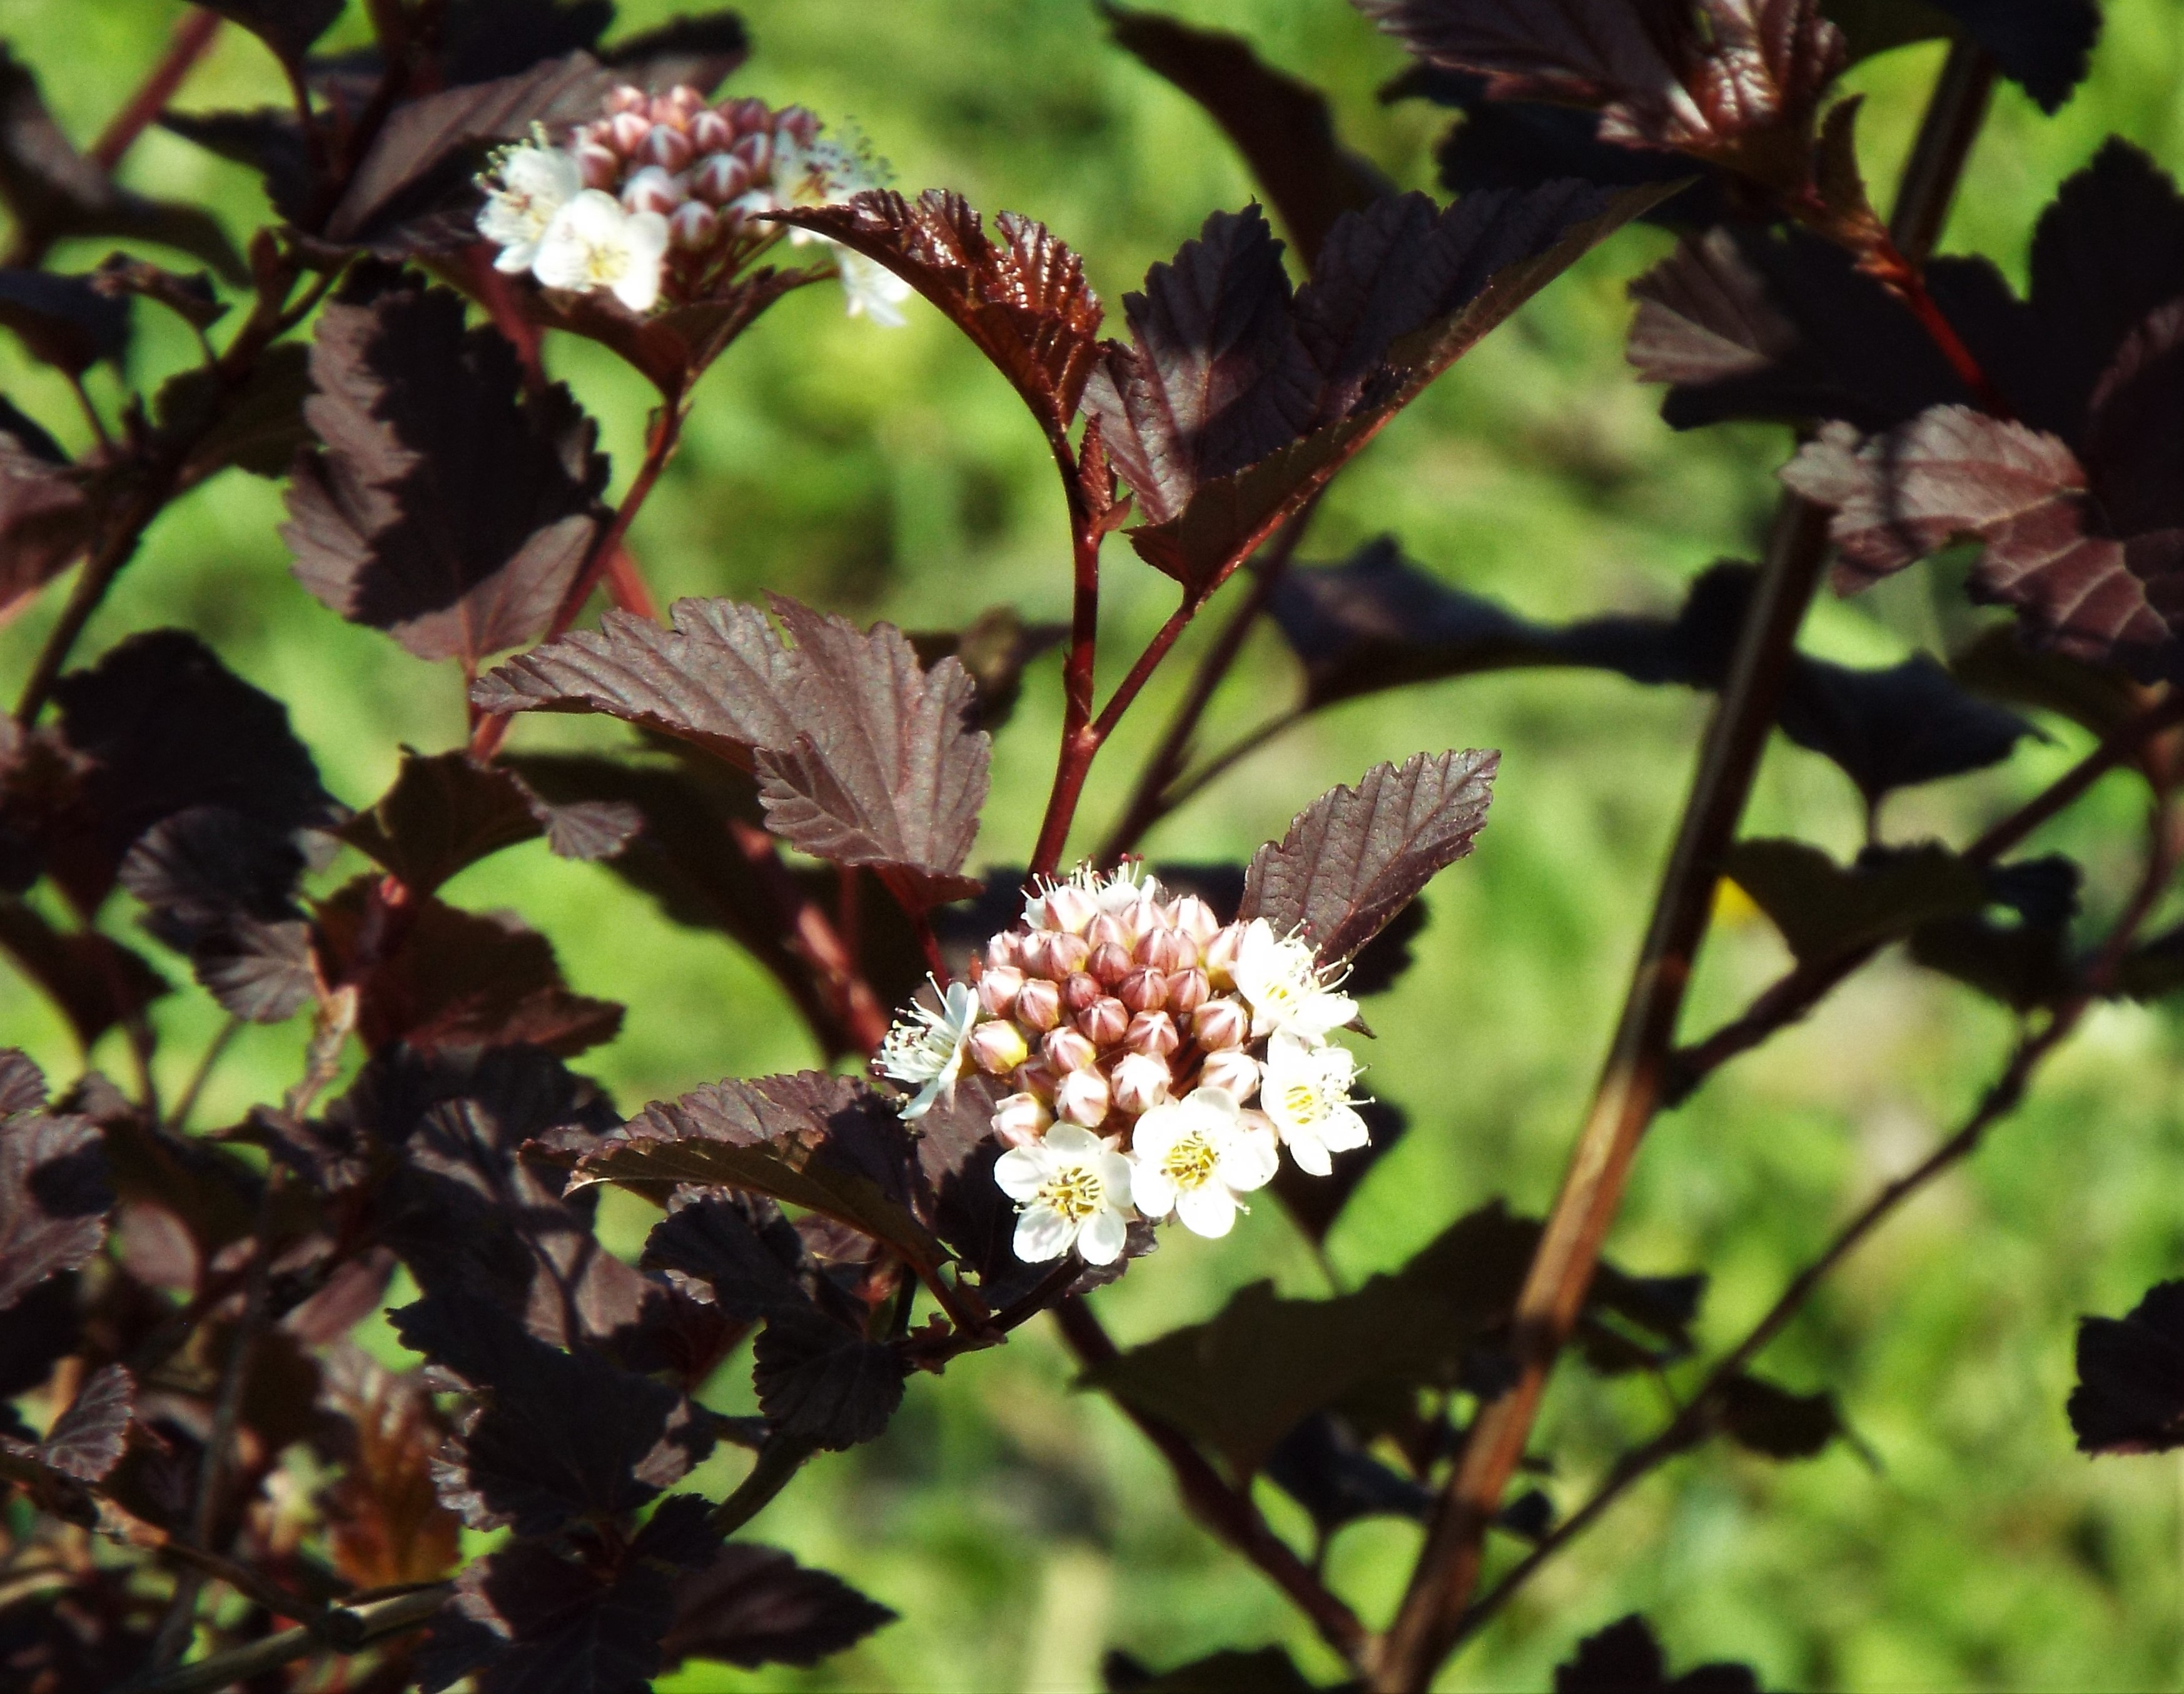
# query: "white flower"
[1071,1189]
[1306,1091]
[928,1047]
[593,242]
[1285,987]
[534,184]
[1074,902]
[1195,1157]
[871,289]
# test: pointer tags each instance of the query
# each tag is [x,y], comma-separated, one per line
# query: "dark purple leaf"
[1624,1658]
[440,508]
[735,1249]
[191,299]
[995,648]
[43,1328]
[2000,665]
[446,811]
[86,1440]
[46,517]
[260,429]
[820,1381]
[555,1436]
[2024,962]
[1824,909]
[1280,123]
[1766,1418]
[95,982]
[55,1191]
[198,869]
[2130,1393]
[267,140]
[1736,81]
[754,1606]
[263,973]
[22,1084]
[53,192]
[1323,1466]
[287,26]
[384,1522]
[1021,299]
[1356,857]
[1897,726]
[65,321]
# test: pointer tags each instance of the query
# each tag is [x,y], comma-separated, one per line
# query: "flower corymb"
[1134,1031]
[666,198]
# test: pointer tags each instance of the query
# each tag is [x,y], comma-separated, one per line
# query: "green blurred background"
[1021,1529]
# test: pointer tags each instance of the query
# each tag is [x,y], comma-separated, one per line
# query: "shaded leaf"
[191,299]
[555,1436]
[1280,123]
[1356,857]
[63,321]
[2025,965]
[1021,299]
[1824,909]
[55,1191]
[753,1605]
[821,1382]
[259,430]
[22,1084]
[45,516]
[52,191]
[674,346]
[2130,1392]
[86,1440]
[93,980]
[267,140]
[1624,1658]
[440,508]
[385,1524]
[446,811]
[1764,1418]
[1322,1466]
[287,26]
[995,648]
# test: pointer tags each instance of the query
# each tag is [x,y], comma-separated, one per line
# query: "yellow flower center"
[1190,1163]
[1076,1193]
[604,263]
[1303,1102]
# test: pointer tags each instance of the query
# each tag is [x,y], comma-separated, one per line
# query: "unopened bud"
[756,151]
[1082,1098]
[1004,949]
[998,1047]
[1107,928]
[800,122]
[1021,1119]
[1153,1032]
[1068,952]
[628,97]
[749,114]
[599,165]
[1109,962]
[1105,1020]
[1079,988]
[668,148]
[693,224]
[1195,918]
[709,132]
[1067,1051]
[652,190]
[1140,1083]
[1144,989]
[1187,990]
[1216,1025]
[1218,956]
[627,132]
[1231,1069]
[1068,907]
[1039,1004]
[685,101]
[719,178]
[1167,949]
[997,990]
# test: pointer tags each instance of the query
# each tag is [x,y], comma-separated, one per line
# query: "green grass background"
[1021,1529]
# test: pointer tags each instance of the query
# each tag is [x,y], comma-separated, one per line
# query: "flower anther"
[1281,981]
[1194,1158]
[929,1047]
[1071,1189]
[530,186]
[1306,1092]
[593,242]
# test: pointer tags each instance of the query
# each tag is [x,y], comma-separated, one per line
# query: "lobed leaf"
[2130,1392]
[46,513]
[385,1524]
[437,508]
[55,1192]
[260,429]
[63,321]
[1624,1658]
[86,1440]
[447,811]
[1824,909]
[1323,1466]
[1356,857]
[753,1605]
[1766,1418]
[824,1383]
[95,982]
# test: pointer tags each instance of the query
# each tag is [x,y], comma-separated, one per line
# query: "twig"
[192,34]
[178,1119]
[862,1021]
[1079,740]
[778,1460]
[373,1624]
[1631,1088]
[1228,1513]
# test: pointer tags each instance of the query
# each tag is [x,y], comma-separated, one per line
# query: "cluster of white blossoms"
[1159,1057]
[666,198]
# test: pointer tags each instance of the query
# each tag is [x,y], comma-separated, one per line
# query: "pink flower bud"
[1069,907]
[1082,1098]
[1218,956]
[749,114]
[599,165]
[1187,990]
[1144,989]
[652,190]
[1231,1069]
[1152,1032]
[1140,1083]
[1021,1119]
[1105,1020]
[1079,988]
[756,151]
[1195,918]
[668,148]
[1216,1025]
[800,122]
[719,178]
[1004,948]
[628,97]
[1067,1051]
[1068,952]
[628,131]
[1108,929]
[1109,962]
[685,101]
[693,224]
[997,990]
[998,1047]
[1038,1005]
[710,132]
[1167,949]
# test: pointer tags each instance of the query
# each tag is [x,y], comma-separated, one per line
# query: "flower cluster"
[666,197]
[1159,1058]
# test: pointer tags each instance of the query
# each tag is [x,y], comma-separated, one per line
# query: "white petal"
[1158,1132]
[1151,1190]
[1043,1233]
[1020,1173]
[1072,1144]
[1121,1181]
[1100,1241]
[1249,1160]
[1209,1210]
[515,260]
[1311,1156]
[1344,1129]
[543,173]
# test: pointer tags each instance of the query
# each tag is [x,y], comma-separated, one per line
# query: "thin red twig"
[192,34]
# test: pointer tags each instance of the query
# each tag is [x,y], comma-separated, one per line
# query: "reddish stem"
[627,587]
[192,34]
